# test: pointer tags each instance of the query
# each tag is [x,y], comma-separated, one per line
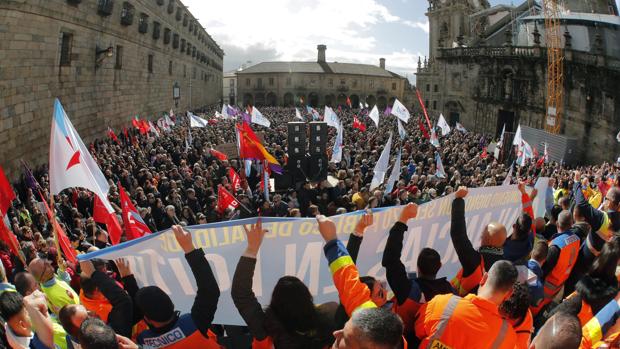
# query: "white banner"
[294,246]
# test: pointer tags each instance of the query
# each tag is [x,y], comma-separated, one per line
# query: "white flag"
[168,119]
[196,121]
[394,175]
[618,137]
[337,151]
[524,152]
[382,165]
[461,127]
[445,128]
[189,140]
[258,118]
[366,105]
[171,115]
[225,112]
[434,139]
[508,179]
[331,118]
[361,106]
[374,115]
[298,115]
[399,110]
[70,162]
[517,140]
[401,130]
[153,129]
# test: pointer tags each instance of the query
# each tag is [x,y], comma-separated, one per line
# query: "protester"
[22,315]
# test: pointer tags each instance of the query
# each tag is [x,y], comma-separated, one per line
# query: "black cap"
[155,304]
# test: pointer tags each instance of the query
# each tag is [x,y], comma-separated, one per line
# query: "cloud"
[424,25]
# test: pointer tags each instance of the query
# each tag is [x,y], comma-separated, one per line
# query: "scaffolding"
[555,67]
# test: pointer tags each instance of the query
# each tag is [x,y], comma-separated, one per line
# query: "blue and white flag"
[248,167]
[440,173]
[460,127]
[225,113]
[337,151]
[401,130]
[196,121]
[399,110]
[382,165]
[434,139]
[258,118]
[394,175]
[331,118]
[445,128]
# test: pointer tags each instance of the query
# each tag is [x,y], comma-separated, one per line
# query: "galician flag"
[401,130]
[440,173]
[258,118]
[461,127]
[71,164]
[445,128]
[399,110]
[434,139]
[196,121]
[517,140]
[224,113]
[337,151]
[374,115]
[382,165]
[394,175]
[331,118]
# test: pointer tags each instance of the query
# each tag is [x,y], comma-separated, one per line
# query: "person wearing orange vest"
[516,310]
[561,331]
[169,329]
[474,263]
[411,293]
[368,326]
[449,321]
[603,330]
[561,258]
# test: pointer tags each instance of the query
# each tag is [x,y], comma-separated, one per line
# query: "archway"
[272,99]
[329,100]
[248,99]
[289,99]
[259,99]
[313,99]
[342,100]
[371,101]
[382,102]
[355,101]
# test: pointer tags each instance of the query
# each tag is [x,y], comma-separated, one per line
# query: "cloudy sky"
[353,30]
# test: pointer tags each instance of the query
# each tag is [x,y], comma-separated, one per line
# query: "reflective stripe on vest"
[444,319]
[500,336]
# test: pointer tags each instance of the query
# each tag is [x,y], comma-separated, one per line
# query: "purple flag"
[387,111]
[246,117]
[29,178]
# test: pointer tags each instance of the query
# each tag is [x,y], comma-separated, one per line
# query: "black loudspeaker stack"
[297,145]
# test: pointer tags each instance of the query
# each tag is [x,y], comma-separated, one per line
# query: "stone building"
[229,92]
[318,83]
[106,60]
[488,67]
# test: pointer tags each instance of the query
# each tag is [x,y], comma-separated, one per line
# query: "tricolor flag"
[135,226]
[298,115]
[401,130]
[440,173]
[258,118]
[374,115]
[225,200]
[382,165]
[153,129]
[196,121]
[71,164]
[399,110]
[445,128]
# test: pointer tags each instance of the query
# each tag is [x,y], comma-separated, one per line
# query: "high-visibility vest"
[183,335]
[464,285]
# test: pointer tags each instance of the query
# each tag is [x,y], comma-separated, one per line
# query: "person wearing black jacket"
[411,293]
[191,330]
[474,263]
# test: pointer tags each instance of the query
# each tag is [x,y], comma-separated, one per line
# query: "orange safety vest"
[183,335]
[568,244]
[524,331]
[585,314]
[449,321]
[407,312]
[464,285]
[98,305]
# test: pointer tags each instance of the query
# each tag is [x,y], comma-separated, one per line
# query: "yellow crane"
[555,67]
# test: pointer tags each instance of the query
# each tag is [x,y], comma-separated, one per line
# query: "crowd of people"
[546,282]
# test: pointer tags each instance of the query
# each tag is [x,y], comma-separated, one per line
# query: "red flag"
[234,179]
[358,124]
[144,127]
[536,154]
[423,129]
[136,123]
[250,147]
[349,102]
[484,153]
[125,132]
[63,240]
[212,121]
[101,215]
[6,193]
[225,200]
[112,135]
[219,155]
[540,162]
[9,238]
[135,226]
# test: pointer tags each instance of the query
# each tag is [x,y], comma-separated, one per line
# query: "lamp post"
[176,94]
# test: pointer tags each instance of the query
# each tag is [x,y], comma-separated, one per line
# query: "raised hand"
[123,267]
[327,228]
[409,211]
[363,223]
[87,268]
[184,238]
[255,235]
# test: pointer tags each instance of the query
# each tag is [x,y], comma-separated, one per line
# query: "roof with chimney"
[319,67]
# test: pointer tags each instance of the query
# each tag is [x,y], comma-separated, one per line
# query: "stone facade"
[486,86]
[57,48]
[318,84]
[229,93]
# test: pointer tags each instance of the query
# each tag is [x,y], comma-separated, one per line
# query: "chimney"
[321,56]
[382,63]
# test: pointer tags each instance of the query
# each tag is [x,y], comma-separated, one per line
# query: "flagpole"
[54,232]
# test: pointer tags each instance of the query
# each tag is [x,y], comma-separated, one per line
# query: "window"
[105,7]
[160,2]
[119,57]
[428,87]
[354,83]
[143,24]
[127,13]
[247,82]
[330,82]
[185,20]
[182,45]
[270,81]
[194,73]
[371,83]
[169,67]
[65,49]
[175,41]
[394,86]
[184,71]
[167,35]
[179,14]
[259,82]
[342,82]
[156,30]
[436,88]
[191,26]
[170,6]
[150,63]
[288,82]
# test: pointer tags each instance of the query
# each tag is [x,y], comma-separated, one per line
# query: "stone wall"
[137,79]
[286,89]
